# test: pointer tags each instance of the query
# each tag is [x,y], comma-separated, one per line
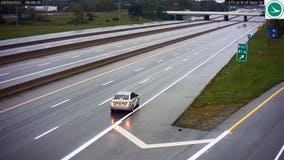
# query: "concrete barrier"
[68,47]
[69,72]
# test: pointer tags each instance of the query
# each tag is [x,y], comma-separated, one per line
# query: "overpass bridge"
[207,14]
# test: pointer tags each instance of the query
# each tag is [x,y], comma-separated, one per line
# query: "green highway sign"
[274,9]
[242,53]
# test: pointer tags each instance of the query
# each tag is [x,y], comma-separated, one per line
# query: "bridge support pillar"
[206,17]
[226,18]
[245,18]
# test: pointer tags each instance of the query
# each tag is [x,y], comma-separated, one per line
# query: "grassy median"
[63,22]
[237,84]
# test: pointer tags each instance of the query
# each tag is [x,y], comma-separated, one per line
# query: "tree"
[148,10]
[78,13]
[135,9]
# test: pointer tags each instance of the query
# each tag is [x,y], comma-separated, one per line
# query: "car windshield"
[121,97]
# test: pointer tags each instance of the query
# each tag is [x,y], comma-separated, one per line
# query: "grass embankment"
[231,88]
[62,22]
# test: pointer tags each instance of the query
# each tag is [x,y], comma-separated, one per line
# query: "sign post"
[249,36]
[242,55]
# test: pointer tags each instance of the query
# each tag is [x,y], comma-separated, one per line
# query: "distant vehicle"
[125,101]
[244,25]
[46,8]
[262,13]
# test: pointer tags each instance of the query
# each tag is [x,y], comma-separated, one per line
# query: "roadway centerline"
[60,103]
[107,83]
[45,133]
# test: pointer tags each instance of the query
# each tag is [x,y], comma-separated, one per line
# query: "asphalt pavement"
[254,132]
[43,37]
[70,41]
[17,73]
[71,117]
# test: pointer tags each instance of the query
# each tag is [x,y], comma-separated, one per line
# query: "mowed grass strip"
[63,22]
[237,84]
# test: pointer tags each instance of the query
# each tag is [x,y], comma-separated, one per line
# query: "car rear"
[121,101]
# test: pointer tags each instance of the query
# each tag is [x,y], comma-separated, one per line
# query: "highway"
[258,137]
[41,46]
[73,116]
[16,73]
[60,35]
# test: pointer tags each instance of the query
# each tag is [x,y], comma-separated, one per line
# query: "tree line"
[152,9]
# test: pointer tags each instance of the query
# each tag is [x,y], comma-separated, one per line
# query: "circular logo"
[274,9]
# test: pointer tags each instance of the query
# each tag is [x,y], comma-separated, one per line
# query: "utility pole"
[17,17]
[119,10]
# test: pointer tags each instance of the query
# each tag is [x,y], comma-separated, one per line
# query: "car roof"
[124,93]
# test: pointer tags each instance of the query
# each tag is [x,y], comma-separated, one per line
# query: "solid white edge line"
[225,133]
[89,142]
[105,101]
[107,83]
[47,132]
[60,103]
[94,139]
[208,146]
[279,153]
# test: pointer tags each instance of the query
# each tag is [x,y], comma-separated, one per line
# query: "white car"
[125,101]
